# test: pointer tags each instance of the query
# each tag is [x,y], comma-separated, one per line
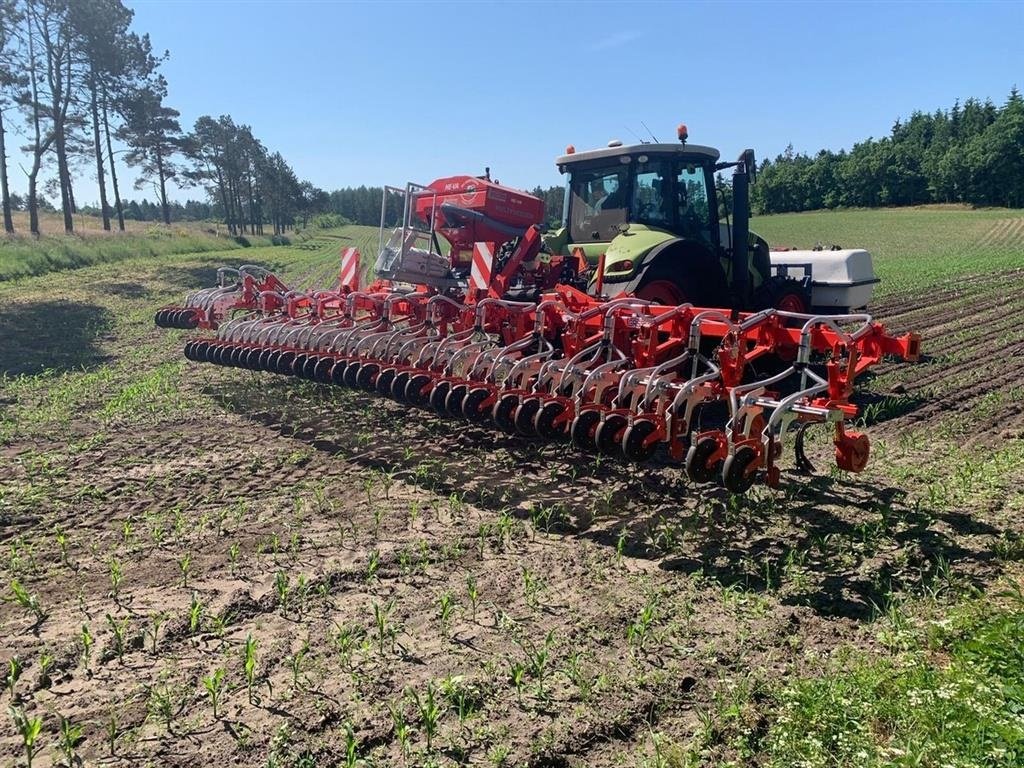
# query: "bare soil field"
[229,568]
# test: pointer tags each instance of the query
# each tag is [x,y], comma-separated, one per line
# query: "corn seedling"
[638,630]
[372,566]
[351,758]
[472,592]
[214,685]
[87,642]
[385,629]
[465,698]
[282,589]
[120,630]
[116,576]
[345,641]
[14,669]
[196,609]
[537,660]
[430,712]
[249,664]
[401,728]
[620,544]
[27,601]
[29,729]
[46,664]
[164,704]
[70,736]
[62,544]
[445,609]
[233,557]
[296,662]
[517,676]
[127,534]
[185,567]
[532,585]
[110,729]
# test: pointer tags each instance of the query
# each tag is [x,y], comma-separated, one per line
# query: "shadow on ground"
[51,335]
[843,547]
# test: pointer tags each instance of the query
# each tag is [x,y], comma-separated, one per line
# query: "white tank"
[842,279]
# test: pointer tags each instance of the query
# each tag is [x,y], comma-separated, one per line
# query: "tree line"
[80,83]
[971,153]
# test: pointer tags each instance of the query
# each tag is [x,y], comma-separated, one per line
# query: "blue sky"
[385,92]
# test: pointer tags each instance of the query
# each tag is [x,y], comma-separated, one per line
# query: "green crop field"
[207,563]
[913,247]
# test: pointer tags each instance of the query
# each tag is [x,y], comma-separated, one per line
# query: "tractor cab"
[652,211]
[659,186]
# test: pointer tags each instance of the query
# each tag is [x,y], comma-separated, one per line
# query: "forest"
[78,83]
[972,153]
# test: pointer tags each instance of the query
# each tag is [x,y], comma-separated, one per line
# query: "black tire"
[525,414]
[583,431]
[608,435]
[309,367]
[736,474]
[633,447]
[384,381]
[472,404]
[453,403]
[544,423]
[697,468]
[338,373]
[504,411]
[414,391]
[351,374]
[367,375]
[286,363]
[322,370]
[399,385]
[438,396]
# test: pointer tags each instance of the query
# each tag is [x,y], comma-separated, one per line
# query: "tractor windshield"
[663,192]
[597,201]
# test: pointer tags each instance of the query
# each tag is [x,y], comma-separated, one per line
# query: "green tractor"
[647,219]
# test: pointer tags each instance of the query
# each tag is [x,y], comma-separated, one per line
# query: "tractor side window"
[694,215]
[597,204]
[652,195]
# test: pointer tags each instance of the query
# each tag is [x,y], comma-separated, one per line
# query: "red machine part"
[619,376]
[500,209]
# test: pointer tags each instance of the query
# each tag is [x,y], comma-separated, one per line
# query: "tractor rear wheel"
[661,291]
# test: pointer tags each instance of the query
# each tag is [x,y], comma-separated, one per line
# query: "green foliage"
[23,257]
[29,729]
[330,221]
[242,240]
[969,154]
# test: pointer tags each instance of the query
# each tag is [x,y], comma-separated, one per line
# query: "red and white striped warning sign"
[350,268]
[480,274]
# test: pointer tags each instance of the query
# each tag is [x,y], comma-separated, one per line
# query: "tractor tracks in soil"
[971,339]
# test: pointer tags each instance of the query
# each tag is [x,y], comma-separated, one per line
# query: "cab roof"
[633,149]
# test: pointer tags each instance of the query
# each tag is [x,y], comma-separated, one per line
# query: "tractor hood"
[624,254]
